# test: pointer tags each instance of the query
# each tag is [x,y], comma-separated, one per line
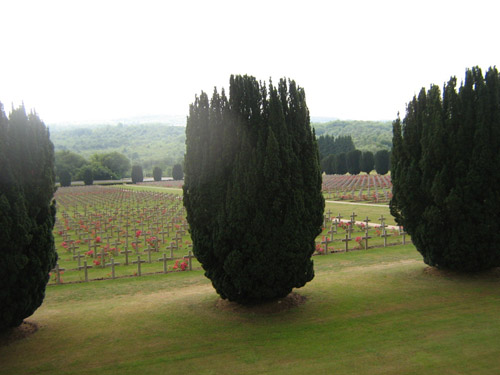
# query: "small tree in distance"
[177,172]
[157,172]
[65,178]
[137,175]
[87,175]
[367,162]
[382,161]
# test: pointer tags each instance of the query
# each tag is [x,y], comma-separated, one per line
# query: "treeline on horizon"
[162,145]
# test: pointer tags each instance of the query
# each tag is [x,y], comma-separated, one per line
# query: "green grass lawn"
[380,311]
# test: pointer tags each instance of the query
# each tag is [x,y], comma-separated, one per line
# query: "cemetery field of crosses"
[373,188]
[110,232]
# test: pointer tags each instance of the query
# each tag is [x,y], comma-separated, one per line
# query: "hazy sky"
[99,60]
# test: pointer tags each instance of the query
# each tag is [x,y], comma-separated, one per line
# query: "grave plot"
[358,188]
[108,232]
[347,234]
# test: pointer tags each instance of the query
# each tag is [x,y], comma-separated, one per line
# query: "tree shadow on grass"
[26,329]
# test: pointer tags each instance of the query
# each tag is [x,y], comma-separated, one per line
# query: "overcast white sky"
[100,60]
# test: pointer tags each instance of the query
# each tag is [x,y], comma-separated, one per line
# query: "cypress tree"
[87,175]
[341,163]
[367,161]
[65,178]
[382,161]
[177,173]
[157,172]
[137,175]
[27,215]
[252,180]
[445,185]
[353,159]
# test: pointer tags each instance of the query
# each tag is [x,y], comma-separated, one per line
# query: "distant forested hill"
[145,144]
[366,135]
[154,144]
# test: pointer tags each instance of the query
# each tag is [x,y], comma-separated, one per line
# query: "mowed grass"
[380,311]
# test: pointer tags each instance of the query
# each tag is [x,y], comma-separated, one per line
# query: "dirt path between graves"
[359,204]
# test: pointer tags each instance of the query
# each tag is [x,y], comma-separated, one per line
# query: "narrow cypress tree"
[252,189]
[445,184]
[157,172]
[353,159]
[177,173]
[137,175]
[367,161]
[27,215]
[341,163]
[65,178]
[382,161]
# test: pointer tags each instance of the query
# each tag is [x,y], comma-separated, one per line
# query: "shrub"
[137,175]
[177,173]
[27,215]
[157,172]
[444,175]
[252,189]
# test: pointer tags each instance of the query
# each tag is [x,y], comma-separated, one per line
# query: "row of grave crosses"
[85,267]
[335,221]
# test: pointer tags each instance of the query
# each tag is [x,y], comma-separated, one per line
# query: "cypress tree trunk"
[252,189]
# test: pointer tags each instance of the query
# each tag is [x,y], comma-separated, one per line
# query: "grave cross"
[149,250]
[326,241]
[112,264]
[366,237]
[346,240]
[85,268]
[78,257]
[353,219]
[403,233]
[384,235]
[189,257]
[58,271]
[126,252]
[138,262]
[164,260]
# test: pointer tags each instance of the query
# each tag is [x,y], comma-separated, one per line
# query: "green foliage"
[137,175]
[116,162]
[87,175]
[445,176]
[252,189]
[147,144]
[353,159]
[382,161]
[157,172]
[341,163]
[366,135]
[65,178]
[328,164]
[328,145]
[27,215]
[99,172]
[177,172]
[367,161]
[69,161]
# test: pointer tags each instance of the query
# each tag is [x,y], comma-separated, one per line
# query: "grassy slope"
[375,312]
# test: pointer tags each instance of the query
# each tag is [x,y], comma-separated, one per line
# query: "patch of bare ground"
[491,275]
[271,307]
[26,329]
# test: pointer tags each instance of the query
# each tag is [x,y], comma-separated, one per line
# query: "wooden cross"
[73,247]
[85,268]
[338,217]
[326,241]
[384,235]
[172,247]
[94,246]
[112,264]
[367,222]
[402,233]
[149,250]
[164,260]
[366,237]
[58,271]
[78,257]
[382,221]
[329,213]
[353,218]
[189,257]
[126,252]
[346,240]
[138,262]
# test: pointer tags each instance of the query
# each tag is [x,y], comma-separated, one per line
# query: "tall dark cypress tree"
[27,215]
[445,180]
[367,161]
[353,159]
[252,189]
